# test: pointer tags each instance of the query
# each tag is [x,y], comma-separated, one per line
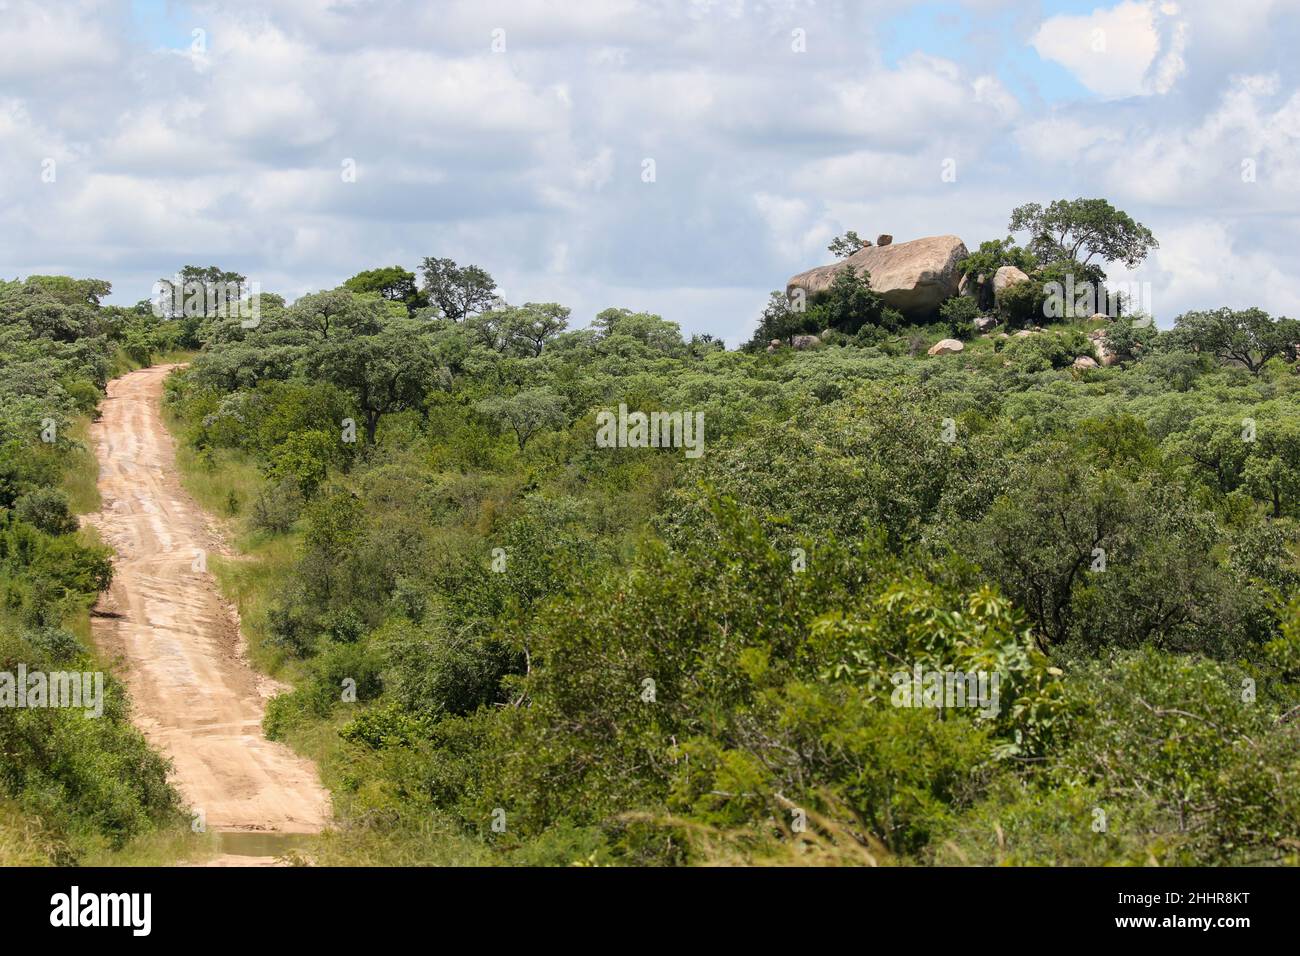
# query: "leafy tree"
[525,413]
[1215,783]
[848,304]
[56,307]
[1249,337]
[780,321]
[1022,304]
[1131,337]
[46,509]
[69,291]
[458,291]
[521,331]
[386,372]
[960,312]
[1080,230]
[304,458]
[1272,470]
[337,313]
[846,245]
[196,294]
[621,327]
[529,327]
[1100,558]
[980,266]
[392,283]
[1217,450]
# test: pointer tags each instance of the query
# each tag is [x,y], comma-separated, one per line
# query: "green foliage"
[392,283]
[1249,337]
[525,413]
[1049,350]
[1022,304]
[842,247]
[848,305]
[980,266]
[1190,743]
[644,658]
[1081,230]
[76,785]
[457,291]
[960,312]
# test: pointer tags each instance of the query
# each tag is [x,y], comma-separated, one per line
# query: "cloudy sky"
[137,136]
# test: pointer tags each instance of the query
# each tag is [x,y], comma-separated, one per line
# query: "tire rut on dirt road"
[194,695]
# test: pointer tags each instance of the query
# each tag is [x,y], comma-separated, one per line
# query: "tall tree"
[390,371]
[459,291]
[390,282]
[200,292]
[525,413]
[527,328]
[1249,337]
[336,312]
[1080,230]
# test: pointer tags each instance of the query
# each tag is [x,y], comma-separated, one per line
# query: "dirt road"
[195,697]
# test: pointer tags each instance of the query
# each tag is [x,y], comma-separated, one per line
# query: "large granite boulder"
[1007,276]
[913,277]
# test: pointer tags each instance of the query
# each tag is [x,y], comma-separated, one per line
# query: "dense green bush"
[854,514]
[632,655]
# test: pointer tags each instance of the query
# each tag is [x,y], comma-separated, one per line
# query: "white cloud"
[1203,265]
[1130,49]
[46,41]
[528,162]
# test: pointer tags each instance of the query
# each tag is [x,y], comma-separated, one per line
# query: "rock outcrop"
[1085,362]
[1101,347]
[805,341]
[913,277]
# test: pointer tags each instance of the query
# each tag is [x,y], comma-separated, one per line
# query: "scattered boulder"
[1024,333]
[884,240]
[1007,276]
[1104,352]
[984,323]
[913,277]
[805,341]
[1085,362]
[1100,317]
[946,347]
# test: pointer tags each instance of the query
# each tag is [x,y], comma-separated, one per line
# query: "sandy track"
[195,697]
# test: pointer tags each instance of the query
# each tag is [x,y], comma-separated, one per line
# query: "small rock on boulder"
[884,240]
[946,347]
